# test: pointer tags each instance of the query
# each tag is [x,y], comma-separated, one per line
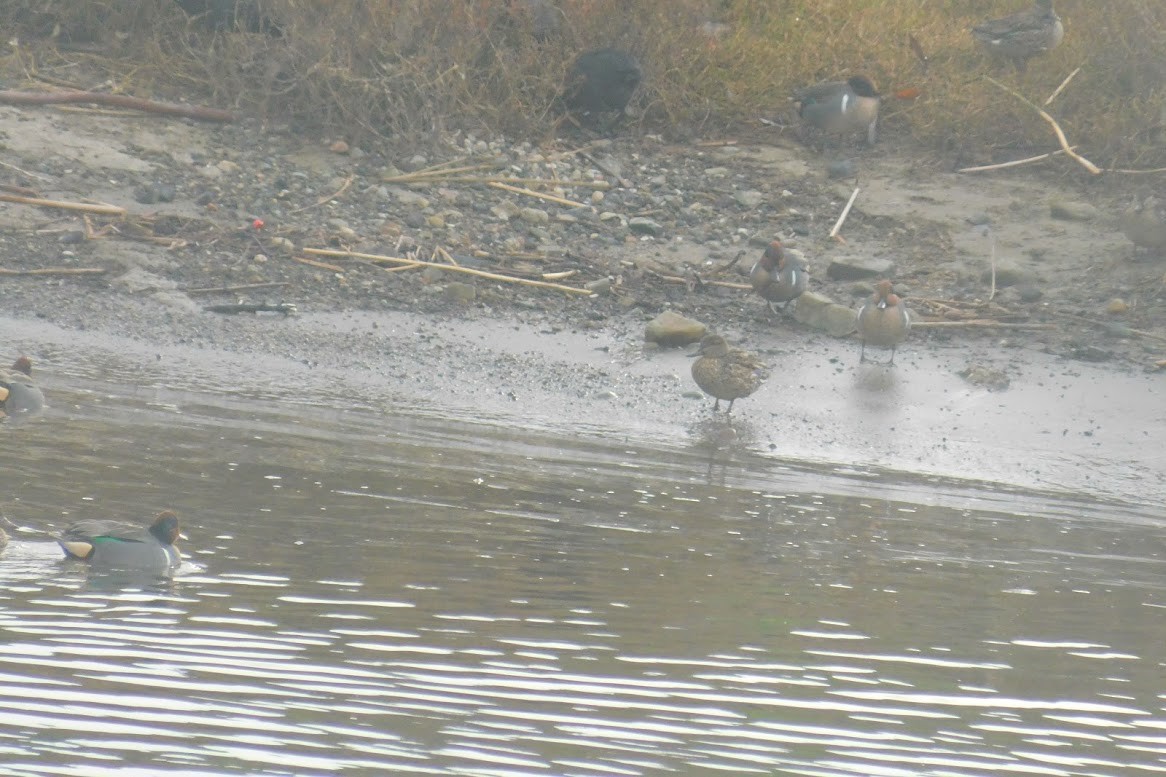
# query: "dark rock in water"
[601,81]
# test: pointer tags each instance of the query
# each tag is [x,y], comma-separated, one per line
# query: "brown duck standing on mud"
[883,320]
[1145,224]
[725,373]
[778,277]
[1023,35]
[18,392]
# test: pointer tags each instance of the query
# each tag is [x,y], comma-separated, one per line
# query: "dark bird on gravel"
[778,276]
[725,373]
[1022,35]
[883,320]
[841,107]
[601,81]
[19,393]
[120,545]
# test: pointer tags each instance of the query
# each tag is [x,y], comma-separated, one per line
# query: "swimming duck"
[601,81]
[883,320]
[1145,224]
[18,392]
[1022,35]
[725,373]
[778,277]
[839,107]
[119,545]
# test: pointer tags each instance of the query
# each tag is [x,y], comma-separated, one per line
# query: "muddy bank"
[1081,411]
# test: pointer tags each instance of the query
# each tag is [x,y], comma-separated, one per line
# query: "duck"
[1022,35]
[839,107]
[1145,224]
[883,320]
[19,393]
[601,81]
[725,373]
[779,277]
[121,545]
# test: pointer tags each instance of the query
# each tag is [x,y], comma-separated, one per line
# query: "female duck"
[725,373]
[883,320]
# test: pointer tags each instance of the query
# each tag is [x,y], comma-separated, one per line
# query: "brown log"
[197,112]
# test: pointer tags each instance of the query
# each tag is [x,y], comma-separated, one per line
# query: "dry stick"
[686,281]
[533,193]
[447,256]
[1135,172]
[56,271]
[448,268]
[1053,123]
[237,287]
[343,188]
[979,323]
[1014,163]
[104,210]
[992,261]
[321,265]
[25,172]
[1061,88]
[431,174]
[200,113]
[845,212]
[601,185]
[559,276]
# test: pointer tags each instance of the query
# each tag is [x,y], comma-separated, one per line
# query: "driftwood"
[533,193]
[56,271]
[197,112]
[1013,163]
[447,267]
[103,210]
[1053,123]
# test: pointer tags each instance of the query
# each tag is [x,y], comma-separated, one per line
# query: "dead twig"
[448,268]
[232,289]
[56,271]
[197,112]
[321,265]
[979,323]
[533,193]
[845,212]
[343,188]
[1061,88]
[102,210]
[1092,168]
[1014,163]
[992,263]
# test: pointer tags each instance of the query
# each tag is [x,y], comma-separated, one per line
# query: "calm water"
[374,594]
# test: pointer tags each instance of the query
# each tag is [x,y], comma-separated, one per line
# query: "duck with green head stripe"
[118,545]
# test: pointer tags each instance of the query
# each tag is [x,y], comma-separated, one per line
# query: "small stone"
[406,197]
[597,197]
[748,199]
[1028,291]
[259,258]
[987,377]
[849,268]
[1116,306]
[716,172]
[461,293]
[645,226]
[670,328]
[1068,210]
[339,147]
[1008,273]
[534,216]
[505,210]
[436,221]
[599,286]
[282,243]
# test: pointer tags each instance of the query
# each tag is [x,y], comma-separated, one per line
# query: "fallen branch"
[1061,88]
[103,210]
[56,271]
[1092,168]
[845,212]
[433,173]
[1014,163]
[600,185]
[231,289]
[448,268]
[979,323]
[533,193]
[197,112]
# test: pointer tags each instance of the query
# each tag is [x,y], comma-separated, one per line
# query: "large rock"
[670,328]
[850,268]
[824,314]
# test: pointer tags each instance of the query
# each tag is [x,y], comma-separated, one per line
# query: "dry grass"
[412,68]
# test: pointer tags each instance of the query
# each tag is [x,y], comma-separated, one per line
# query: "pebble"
[824,314]
[645,226]
[748,198]
[534,216]
[670,328]
[1116,306]
[1068,210]
[848,268]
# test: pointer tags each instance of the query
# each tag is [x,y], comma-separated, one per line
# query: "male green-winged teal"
[601,81]
[1022,35]
[1145,224]
[778,276]
[725,373]
[883,320]
[18,391]
[839,107]
[119,545]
